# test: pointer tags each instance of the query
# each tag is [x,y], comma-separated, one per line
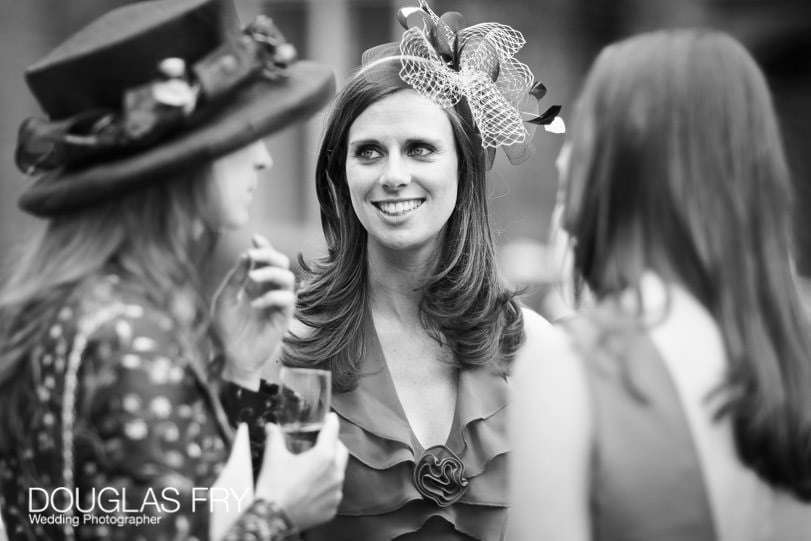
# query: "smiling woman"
[410,315]
[408,310]
[401,172]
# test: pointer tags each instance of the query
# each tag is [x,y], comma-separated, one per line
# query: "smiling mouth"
[398,208]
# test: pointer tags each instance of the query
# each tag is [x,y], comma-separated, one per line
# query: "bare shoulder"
[551,428]
[548,363]
[533,321]
[544,343]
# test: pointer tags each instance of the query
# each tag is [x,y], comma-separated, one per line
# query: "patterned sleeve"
[145,427]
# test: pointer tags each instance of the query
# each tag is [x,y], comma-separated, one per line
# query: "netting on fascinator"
[446,61]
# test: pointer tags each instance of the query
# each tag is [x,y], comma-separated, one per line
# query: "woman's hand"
[252,310]
[307,485]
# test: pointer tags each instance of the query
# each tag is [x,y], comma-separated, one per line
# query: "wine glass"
[306,394]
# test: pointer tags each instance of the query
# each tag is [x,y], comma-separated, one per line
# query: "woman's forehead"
[404,114]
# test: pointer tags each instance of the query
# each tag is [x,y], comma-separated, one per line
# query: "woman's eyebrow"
[363,141]
[408,142]
[430,140]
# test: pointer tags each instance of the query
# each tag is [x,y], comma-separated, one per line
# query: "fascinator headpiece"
[446,61]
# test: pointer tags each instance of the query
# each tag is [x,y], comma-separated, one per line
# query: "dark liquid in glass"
[301,436]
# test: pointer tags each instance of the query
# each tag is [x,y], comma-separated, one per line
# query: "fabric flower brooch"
[439,476]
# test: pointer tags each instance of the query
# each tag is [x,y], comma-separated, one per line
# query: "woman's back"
[664,464]
[676,167]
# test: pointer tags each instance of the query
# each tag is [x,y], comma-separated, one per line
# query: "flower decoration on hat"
[445,61]
[153,110]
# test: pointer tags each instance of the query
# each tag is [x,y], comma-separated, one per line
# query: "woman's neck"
[396,280]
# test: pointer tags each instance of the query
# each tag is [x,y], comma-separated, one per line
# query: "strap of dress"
[646,477]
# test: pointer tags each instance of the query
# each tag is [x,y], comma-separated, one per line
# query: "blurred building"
[562,38]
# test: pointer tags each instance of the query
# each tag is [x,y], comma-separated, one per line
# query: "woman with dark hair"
[120,383]
[679,406]
[407,309]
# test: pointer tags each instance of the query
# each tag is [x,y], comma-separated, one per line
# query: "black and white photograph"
[413,270]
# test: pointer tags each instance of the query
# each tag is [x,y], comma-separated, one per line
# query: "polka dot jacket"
[126,425]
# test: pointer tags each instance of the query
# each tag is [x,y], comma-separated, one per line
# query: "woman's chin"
[408,243]
[233,224]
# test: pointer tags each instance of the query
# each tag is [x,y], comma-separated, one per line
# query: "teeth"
[399,208]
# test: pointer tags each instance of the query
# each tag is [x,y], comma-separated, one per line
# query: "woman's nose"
[261,157]
[395,174]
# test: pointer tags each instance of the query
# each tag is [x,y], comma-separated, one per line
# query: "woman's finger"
[274,444]
[269,256]
[260,241]
[277,298]
[235,280]
[278,277]
[328,435]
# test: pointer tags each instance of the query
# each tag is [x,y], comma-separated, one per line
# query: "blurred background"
[563,37]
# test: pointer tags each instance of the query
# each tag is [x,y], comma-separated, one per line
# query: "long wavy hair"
[677,166]
[462,303]
[150,235]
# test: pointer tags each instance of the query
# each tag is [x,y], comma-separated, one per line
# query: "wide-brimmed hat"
[152,88]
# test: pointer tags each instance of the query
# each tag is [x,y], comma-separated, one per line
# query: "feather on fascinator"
[446,61]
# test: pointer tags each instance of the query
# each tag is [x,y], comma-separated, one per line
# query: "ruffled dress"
[396,489]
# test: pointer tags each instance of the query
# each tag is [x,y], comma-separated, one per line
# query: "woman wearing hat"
[408,309]
[118,389]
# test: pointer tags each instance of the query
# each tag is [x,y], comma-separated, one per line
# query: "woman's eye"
[421,150]
[367,153]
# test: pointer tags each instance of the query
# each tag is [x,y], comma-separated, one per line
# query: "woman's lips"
[399,207]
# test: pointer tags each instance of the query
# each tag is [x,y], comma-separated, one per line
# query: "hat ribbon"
[158,108]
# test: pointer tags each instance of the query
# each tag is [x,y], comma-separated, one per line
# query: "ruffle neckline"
[378,435]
